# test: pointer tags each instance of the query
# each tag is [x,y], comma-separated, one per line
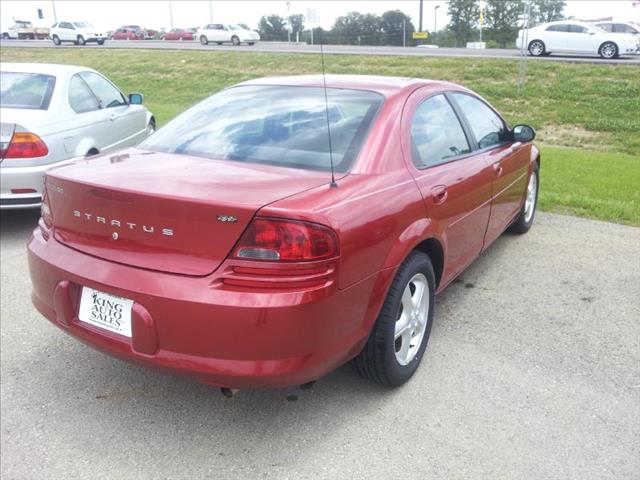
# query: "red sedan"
[279,229]
[177,34]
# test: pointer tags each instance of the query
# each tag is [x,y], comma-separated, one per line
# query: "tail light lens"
[45,210]
[286,240]
[25,145]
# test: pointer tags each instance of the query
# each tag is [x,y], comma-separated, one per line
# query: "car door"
[583,40]
[88,128]
[455,183]
[128,123]
[508,160]
[218,33]
[67,32]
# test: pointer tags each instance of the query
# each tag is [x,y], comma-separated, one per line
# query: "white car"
[51,115]
[570,37]
[76,32]
[220,33]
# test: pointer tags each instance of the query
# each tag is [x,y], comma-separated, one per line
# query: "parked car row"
[54,114]
[606,39]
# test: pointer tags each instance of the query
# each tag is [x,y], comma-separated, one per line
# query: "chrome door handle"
[497,167]
[439,194]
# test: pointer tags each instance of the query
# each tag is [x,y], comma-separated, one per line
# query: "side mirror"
[523,133]
[135,99]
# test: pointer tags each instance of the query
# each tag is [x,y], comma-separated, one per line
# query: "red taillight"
[45,211]
[286,240]
[25,145]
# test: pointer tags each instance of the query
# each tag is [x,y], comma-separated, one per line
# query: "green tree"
[391,26]
[356,28]
[296,22]
[502,20]
[463,16]
[543,11]
[272,27]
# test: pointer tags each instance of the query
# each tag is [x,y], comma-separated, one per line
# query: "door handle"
[497,167]
[113,117]
[439,194]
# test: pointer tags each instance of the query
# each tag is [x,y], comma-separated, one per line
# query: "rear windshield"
[26,90]
[277,125]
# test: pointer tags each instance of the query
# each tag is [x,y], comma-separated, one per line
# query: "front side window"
[487,127]
[276,125]
[81,98]
[607,27]
[577,29]
[31,91]
[108,95]
[436,133]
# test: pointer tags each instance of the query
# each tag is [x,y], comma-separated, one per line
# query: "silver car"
[54,114]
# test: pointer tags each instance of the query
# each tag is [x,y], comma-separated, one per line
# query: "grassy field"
[593,108]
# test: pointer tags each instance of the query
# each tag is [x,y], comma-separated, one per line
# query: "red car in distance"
[177,34]
[128,33]
[224,248]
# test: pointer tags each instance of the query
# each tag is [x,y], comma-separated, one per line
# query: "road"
[532,371]
[275,47]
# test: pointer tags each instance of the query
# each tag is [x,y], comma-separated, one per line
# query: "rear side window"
[608,27]
[577,29]
[436,133]
[108,95]
[31,91]
[487,127]
[81,99]
[558,28]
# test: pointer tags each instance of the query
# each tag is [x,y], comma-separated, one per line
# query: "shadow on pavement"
[17,225]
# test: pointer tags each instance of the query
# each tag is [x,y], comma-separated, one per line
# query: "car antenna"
[326,108]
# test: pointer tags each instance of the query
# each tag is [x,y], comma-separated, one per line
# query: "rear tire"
[235,40]
[5,35]
[204,40]
[56,40]
[608,50]
[80,40]
[401,332]
[251,43]
[536,48]
[151,127]
[524,221]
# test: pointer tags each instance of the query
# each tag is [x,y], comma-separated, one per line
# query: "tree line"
[502,20]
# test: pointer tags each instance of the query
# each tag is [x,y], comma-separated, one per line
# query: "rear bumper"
[12,178]
[190,326]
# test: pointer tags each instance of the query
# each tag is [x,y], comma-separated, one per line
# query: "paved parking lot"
[532,372]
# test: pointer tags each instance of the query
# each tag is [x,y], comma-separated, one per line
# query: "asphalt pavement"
[532,372]
[283,47]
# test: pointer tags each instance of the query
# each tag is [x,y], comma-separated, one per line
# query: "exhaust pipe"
[229,392]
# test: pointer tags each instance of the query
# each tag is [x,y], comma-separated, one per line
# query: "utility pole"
[288,22]
[55,16]
[404,33]
[435,18]
[210,12]
[170,15]
[420,21]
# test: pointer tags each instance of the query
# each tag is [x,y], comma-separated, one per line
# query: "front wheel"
[608,50]
[151,127]
[56,40]
[251,43]
[204,40]
[100,42]
[401,332]
[235,40]
[524,221]
[80,40]
[536,48]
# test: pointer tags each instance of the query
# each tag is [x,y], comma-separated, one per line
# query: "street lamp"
[435,18]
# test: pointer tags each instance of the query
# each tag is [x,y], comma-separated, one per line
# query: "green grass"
[590,106]
[599,185]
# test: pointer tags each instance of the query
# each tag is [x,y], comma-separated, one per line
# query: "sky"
[108,15]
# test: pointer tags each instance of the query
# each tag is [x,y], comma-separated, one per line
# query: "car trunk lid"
[164,212]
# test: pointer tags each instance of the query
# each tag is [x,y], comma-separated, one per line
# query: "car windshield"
[235,26]
[277,125]
[26,90]
[82,25]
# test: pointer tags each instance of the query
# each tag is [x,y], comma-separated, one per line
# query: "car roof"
[386,86]
[44,68]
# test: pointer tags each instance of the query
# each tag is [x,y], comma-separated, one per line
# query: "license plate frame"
[106,311]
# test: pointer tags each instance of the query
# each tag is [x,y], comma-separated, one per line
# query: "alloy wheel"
[530,201]
[412,319]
